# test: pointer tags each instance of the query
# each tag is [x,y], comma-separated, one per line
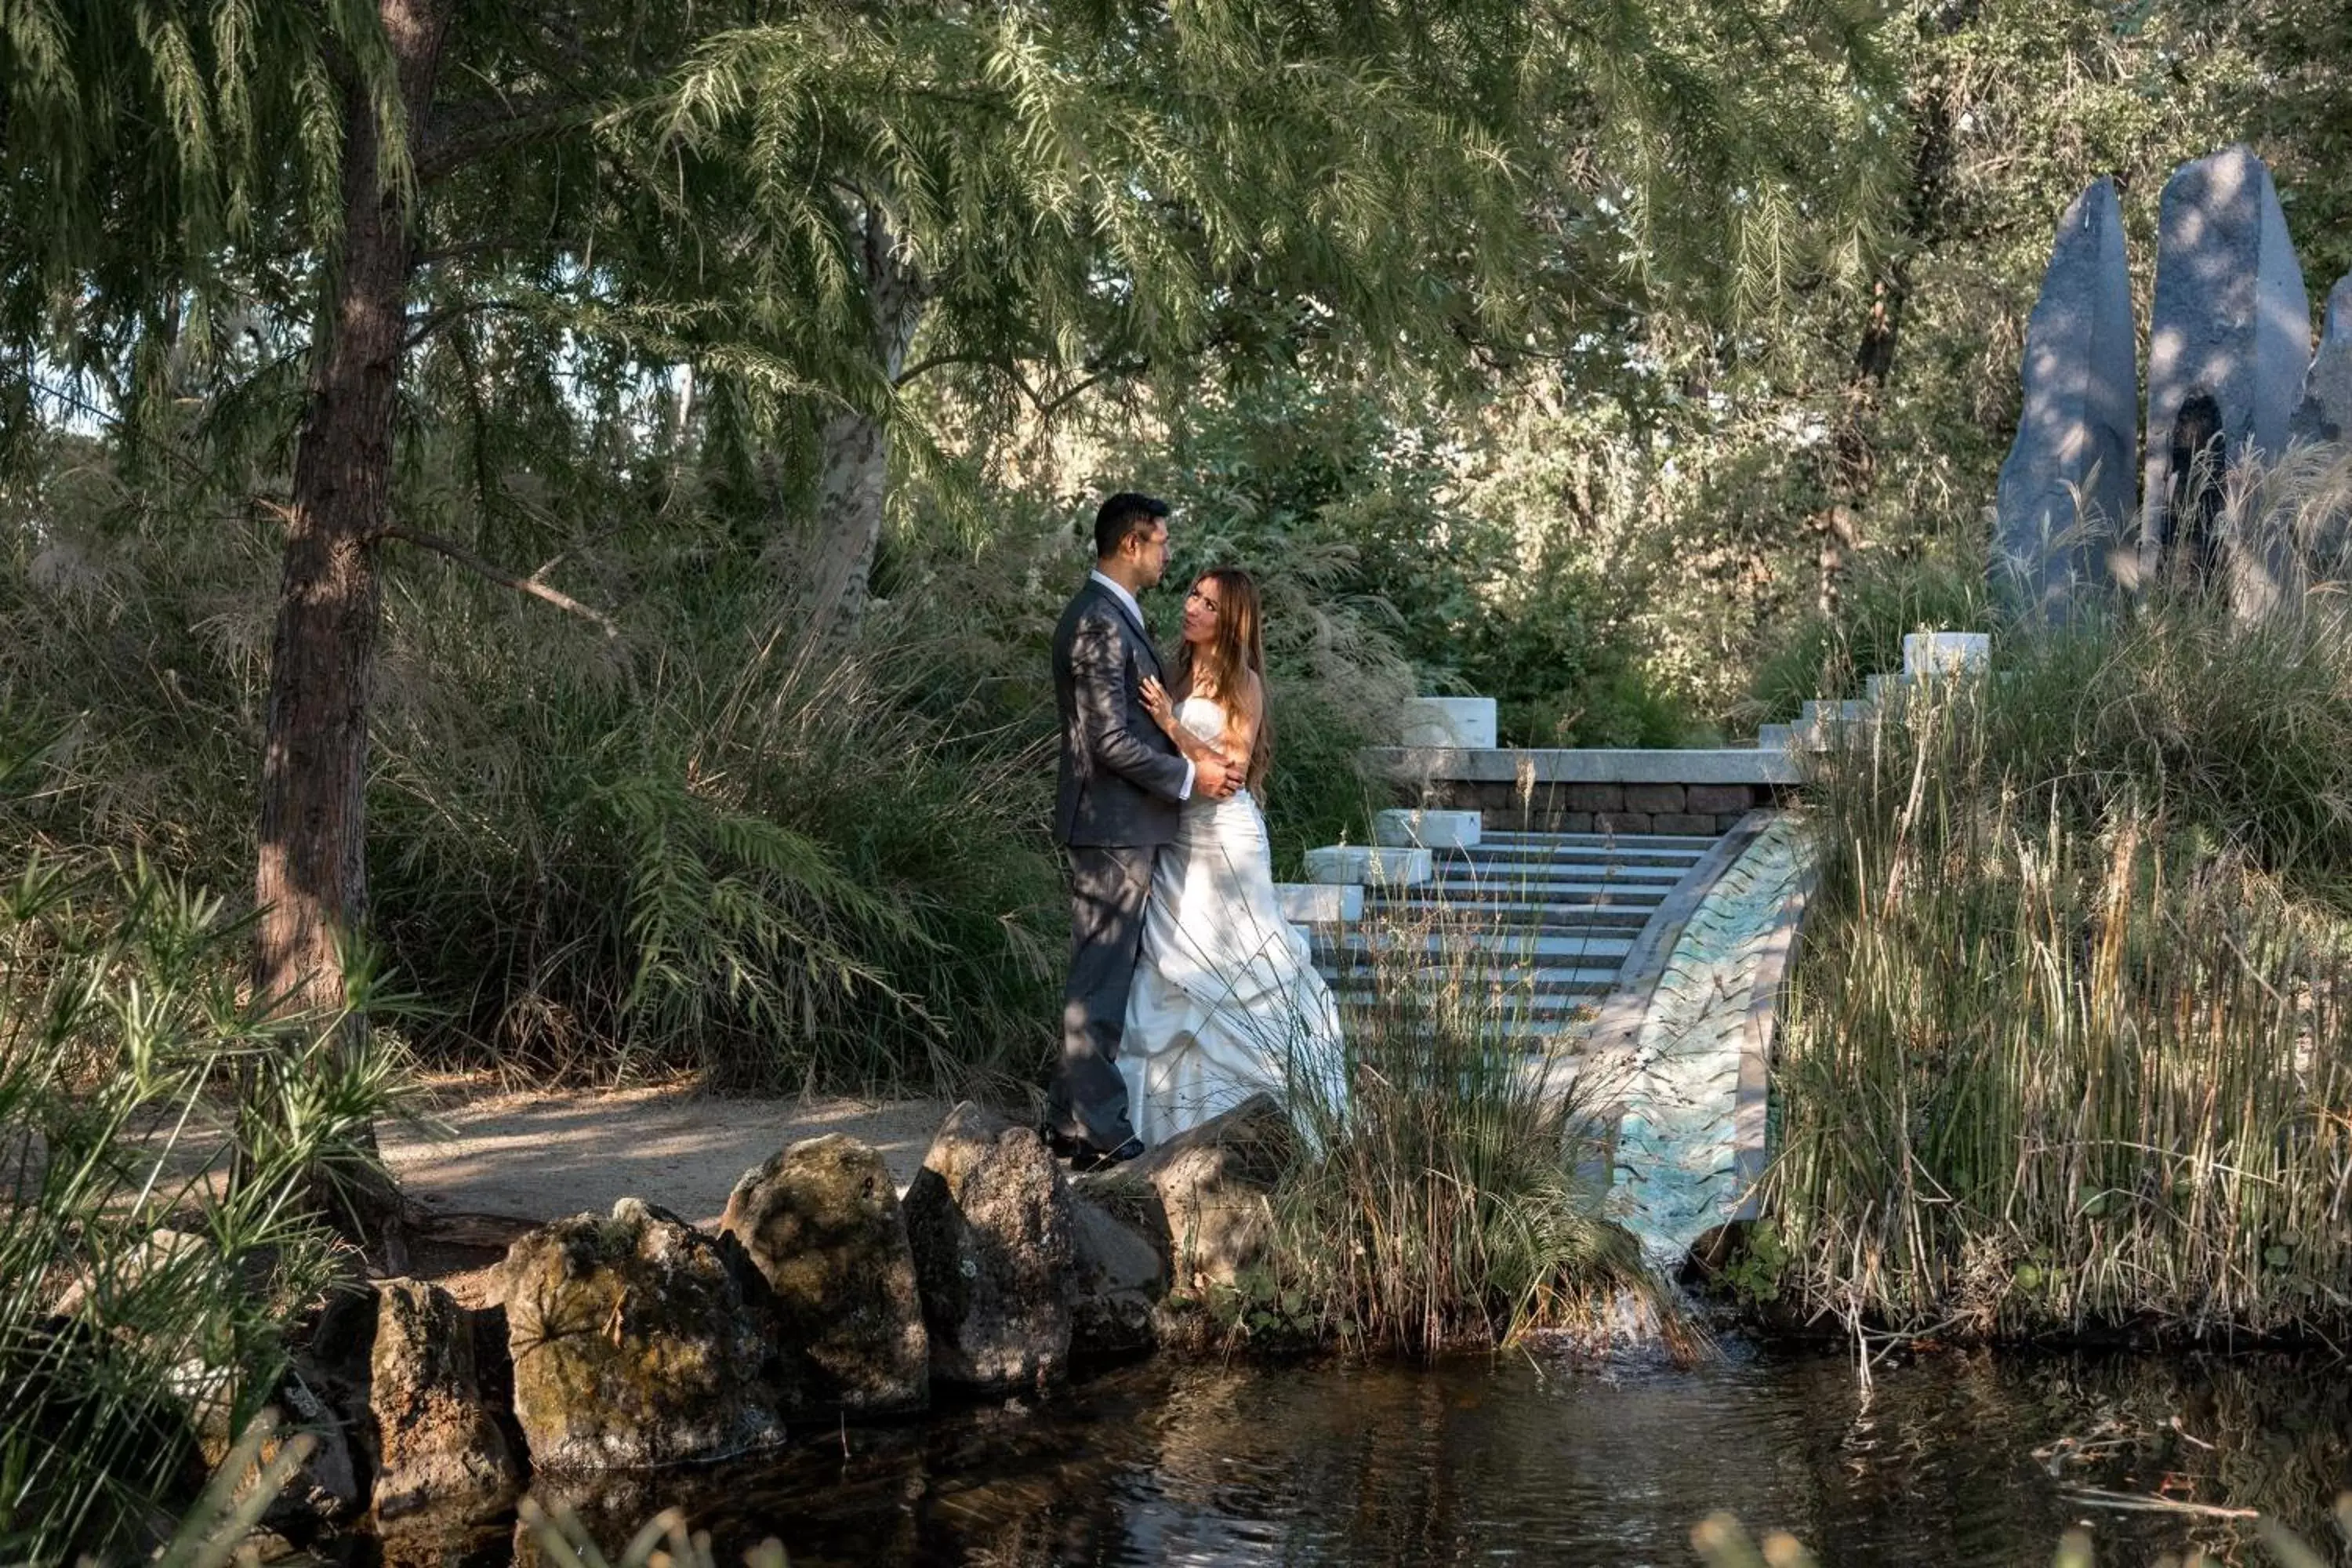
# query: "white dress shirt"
[1118,591]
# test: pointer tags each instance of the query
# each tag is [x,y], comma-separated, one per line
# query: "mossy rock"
[1203,1194]
[822,1224]
[634,1345]
[1117,1278]
[438,1441]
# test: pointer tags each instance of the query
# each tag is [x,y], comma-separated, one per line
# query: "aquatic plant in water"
[1449,1199]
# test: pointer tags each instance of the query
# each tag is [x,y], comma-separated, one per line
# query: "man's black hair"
[1125,513]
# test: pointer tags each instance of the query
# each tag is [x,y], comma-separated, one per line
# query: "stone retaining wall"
[1623,808]
[1696,790]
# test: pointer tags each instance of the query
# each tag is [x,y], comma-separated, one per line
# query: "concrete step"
[1567,871]
[1496,837]
[1514,914]
[1851,710]
[1548,1010]
[1522,889]
[1518,946]
[1503,980]
[1518,855]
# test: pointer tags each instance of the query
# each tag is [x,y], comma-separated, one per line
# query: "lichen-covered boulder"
[989,1217]
[821,1223]
[1207,1192]
[1117,1278]
[438,1443]
[634,1345]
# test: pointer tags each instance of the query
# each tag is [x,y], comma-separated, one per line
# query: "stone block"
[2228,345]
[1728,820]
[1654,797]
[1369,865]
[1320,903]
[1594,798]
[1620,821]
[1709,799]
[1571,822]
[2325,413]
[1932,654]
[1453,723]
[1681,822]
[1428,829]
[2067,487]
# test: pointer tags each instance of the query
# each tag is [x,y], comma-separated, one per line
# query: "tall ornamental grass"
[707,843]
[2069,1044]
[777,861]
[1452,1198]
[125,1035]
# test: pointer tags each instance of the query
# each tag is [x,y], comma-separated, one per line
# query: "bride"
[1226,1001]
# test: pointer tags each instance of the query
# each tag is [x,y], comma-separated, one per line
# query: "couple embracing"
[1188,991]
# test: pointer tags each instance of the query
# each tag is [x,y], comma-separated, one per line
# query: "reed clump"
[1451,1198]
[2069,1046]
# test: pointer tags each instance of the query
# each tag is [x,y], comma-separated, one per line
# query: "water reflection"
[1950,1459]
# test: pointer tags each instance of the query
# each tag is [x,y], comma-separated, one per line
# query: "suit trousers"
[1109,887]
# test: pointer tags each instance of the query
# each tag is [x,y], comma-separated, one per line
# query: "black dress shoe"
[1090,1158]
[1085,1156]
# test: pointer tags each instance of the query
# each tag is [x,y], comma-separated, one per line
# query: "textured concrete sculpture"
[2326,411]
[2228,339]
[2067,485]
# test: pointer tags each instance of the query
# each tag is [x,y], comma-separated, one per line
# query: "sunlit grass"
[2070,1043]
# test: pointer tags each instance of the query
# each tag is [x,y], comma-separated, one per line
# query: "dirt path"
[512,1161]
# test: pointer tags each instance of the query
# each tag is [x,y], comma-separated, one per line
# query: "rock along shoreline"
[636,1342]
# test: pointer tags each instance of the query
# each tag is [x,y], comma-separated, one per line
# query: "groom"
[1121,782]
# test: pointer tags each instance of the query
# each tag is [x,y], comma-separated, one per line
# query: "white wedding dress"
[1226,1002]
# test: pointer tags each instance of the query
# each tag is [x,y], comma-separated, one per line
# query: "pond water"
[1949,1459]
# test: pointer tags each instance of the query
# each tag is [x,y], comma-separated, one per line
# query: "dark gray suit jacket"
[1119,774]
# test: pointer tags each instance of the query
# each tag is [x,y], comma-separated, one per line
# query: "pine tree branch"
[475,564]
[466,131]
[434,321]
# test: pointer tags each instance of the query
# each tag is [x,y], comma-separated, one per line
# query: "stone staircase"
[1544,921]
[1641,961]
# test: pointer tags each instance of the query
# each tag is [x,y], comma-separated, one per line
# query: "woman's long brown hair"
[1238,646]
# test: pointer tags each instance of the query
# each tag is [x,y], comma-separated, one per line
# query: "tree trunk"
[854,456]
[1853,467]
[311,880]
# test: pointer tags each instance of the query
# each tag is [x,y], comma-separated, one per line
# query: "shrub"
[776,861]
[122,1027]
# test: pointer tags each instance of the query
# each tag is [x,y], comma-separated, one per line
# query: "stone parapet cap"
[1694,765]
